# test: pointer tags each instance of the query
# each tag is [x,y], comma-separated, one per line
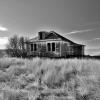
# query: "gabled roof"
[63,38]
[60,36]
[55,36]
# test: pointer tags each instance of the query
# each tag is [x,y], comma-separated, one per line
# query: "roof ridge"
[59,35]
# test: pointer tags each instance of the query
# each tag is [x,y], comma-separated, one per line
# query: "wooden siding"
[52,36]
[63,47]
[69,49]
[42,49]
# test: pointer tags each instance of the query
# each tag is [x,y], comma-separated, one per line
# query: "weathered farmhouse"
[51,44]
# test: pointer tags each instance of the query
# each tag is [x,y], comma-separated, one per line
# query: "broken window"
[53,46]
[49,46]
[35,47]
[31,47]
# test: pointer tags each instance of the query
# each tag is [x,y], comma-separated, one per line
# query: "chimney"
[42,35]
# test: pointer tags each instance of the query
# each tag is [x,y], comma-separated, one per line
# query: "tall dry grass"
[76,78]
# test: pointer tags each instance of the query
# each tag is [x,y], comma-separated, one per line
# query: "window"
[49,46]
[53,46]
[31,47]
[35,47]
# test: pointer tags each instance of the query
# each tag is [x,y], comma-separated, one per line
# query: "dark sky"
[78,20]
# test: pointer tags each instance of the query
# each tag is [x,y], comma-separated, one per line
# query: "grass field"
[49,79]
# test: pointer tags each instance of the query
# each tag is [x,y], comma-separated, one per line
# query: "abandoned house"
[52,44]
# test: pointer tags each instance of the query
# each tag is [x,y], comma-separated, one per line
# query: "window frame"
[32,48]
[35,47]
[51,47]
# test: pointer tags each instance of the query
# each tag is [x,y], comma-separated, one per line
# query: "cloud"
[92,50]
[79,31]
[92,40]
[95,53]
[97,38]
[3,28]
[3,42]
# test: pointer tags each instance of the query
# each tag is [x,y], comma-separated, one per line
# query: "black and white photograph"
[49,49]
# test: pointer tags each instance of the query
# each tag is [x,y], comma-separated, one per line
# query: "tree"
[12,47]
[17,46]
[22,46]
